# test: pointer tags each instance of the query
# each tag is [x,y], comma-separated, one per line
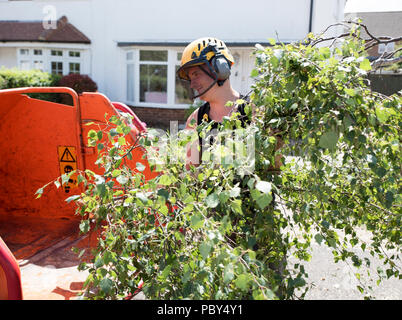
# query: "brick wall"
[160,117]
[387,84]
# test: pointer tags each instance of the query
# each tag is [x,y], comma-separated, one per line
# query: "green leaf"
[365,65]
[237,206]
[188,208]
[98,262]
[242,281]
[164,193]
[106,285]
[166,271]
[115,173]
[383,113]
[84,226]
[224,196]
[101,188]
[318,238]
[99,135]
[350,92]
[389,199]
[205,249]
[228,274]
[254,73]
[196,221]
[188,199]
[165,180]
[329,140]
[264,200]
[92,134]
[234,192]
[212,200]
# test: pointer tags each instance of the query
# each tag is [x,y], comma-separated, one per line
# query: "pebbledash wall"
[136,45]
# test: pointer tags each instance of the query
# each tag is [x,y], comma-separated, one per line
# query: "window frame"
[46,58]
[30,58]
[57,68]
[171,63]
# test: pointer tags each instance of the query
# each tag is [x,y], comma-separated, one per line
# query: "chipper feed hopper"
[40,141]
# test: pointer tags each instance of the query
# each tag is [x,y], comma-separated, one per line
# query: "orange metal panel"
[97,108]
[40,141]
[32,131]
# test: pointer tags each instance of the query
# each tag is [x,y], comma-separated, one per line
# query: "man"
[206,64]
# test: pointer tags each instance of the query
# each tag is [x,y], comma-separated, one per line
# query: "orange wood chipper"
[40,141]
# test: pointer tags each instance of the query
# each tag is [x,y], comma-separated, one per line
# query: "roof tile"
[34,31]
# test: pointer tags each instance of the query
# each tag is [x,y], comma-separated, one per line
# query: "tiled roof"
[34,31]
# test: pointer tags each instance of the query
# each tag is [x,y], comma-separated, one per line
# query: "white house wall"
[107,22]
[8,57]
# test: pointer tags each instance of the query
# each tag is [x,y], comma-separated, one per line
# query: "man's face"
[199,80]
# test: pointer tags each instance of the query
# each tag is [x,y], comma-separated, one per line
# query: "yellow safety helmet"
[206,50]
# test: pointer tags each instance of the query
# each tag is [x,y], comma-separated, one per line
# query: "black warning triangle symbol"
[67,156]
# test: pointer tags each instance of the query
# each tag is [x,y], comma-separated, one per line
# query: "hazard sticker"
[68,163]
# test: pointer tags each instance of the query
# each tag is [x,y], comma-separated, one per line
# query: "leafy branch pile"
[214,232]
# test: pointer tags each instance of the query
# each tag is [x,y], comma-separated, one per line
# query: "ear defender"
[221,68]
[220,65]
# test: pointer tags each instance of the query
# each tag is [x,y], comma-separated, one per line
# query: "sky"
[373,5]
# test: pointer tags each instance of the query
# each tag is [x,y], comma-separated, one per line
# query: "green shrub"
[15,78]
[3,83]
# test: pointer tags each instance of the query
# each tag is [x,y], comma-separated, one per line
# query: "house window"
[38,64]
[151,78]
[182,88]
[25,64]
[153,83]
[74,67]
[56,61]
[130,76]
[56,53]
[386,47]
[24,52]
[75,54]
[57,68]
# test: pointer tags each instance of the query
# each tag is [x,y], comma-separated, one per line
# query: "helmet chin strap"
[214,76]
[202,93]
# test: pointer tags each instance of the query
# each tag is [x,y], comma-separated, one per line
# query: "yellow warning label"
[68,163]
